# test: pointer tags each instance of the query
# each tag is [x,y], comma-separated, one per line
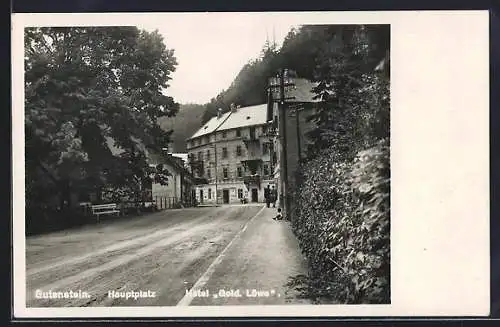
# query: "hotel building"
[231,157]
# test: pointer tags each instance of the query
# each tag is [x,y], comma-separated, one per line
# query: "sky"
[211,48]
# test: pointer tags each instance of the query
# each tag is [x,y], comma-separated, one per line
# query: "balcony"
[251,157]
[196,164]
[197,167]
[200,181]
[250,140]
[252,163]
[252,180]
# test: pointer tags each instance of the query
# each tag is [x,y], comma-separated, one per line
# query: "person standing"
[267,196]
[274,196]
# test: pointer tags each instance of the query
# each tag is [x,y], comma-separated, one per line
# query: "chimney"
[234,108]
[219,113]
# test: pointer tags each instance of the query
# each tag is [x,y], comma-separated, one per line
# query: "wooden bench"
[104,209]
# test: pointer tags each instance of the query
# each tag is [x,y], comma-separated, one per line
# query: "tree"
[354,108]
[85,86]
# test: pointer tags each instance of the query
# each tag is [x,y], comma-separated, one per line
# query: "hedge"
[342,221]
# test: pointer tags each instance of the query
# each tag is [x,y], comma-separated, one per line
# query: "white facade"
[172,190]
[166,196]
[231,192]
[234,149]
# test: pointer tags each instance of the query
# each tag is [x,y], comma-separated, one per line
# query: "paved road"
[196,256]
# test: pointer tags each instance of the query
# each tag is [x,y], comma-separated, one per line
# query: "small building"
[177,192]
[231,157]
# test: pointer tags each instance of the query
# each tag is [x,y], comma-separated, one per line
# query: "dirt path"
[164,253]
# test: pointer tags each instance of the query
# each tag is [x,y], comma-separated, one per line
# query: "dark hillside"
[184,124]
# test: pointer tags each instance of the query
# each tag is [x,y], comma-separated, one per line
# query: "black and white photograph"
[141,173]
[214,160]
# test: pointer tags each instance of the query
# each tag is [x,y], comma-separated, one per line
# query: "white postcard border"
[439,164]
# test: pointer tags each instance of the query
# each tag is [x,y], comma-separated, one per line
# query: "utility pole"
[215,150]
[284,140]
[295,112]
[282,84]
[216,173]
[298,134]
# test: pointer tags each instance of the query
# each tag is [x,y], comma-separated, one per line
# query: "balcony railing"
[200,181]
[192,161]
[251,158]
[250,139]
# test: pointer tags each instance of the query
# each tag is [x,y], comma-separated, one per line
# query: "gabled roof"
[211,125]
[246,116]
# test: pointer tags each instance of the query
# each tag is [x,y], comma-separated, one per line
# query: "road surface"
[233,254]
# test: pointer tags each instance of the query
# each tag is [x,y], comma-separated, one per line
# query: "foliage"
[87,87]
[342,216]
[343,226]
[354,106]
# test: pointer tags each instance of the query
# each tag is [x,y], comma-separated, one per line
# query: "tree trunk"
[99,194]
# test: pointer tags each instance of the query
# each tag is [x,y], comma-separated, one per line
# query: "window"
[224,134]
[208,154]
[264,129]
[265,148]
[252,133]
[209,173]
[209,193]
[238,132]
[238,150]
[224,152]
[200,156]
[201,168]
[240,171]
[225,172]
[266,170]
[240,193]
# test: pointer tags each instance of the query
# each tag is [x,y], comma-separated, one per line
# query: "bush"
[45,219]
[342,221]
